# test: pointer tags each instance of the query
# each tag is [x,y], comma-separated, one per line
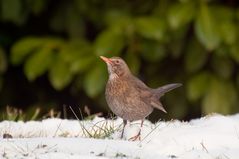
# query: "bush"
[192,42]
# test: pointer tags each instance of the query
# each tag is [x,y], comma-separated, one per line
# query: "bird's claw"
[136,137]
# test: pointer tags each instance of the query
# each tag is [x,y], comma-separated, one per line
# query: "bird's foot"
[136,137]
[122,135]
[124,124]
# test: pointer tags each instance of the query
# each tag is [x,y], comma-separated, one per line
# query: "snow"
[211,137]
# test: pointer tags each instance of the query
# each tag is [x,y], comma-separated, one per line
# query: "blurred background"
[49,54]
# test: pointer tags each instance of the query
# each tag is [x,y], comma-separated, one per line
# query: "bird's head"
[116,66]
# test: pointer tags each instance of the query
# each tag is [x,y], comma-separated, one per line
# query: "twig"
[83,125]
[74,113]
[148,134]
[58,127]
[84,130]
[203,146]
[77,119]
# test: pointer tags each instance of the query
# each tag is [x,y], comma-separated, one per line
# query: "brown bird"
[128,97]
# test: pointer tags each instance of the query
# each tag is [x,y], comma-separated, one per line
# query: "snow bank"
[213,136]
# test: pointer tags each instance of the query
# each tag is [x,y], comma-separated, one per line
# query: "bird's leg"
[124,124]
[138,136]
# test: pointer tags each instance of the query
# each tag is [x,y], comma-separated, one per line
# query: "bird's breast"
[125,101]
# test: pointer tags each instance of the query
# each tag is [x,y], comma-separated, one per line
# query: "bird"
[128,97]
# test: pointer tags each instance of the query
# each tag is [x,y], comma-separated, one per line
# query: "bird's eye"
[117,61]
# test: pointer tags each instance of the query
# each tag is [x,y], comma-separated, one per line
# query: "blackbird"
[128,97]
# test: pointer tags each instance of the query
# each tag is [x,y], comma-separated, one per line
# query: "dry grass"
[100,130]
[16,114]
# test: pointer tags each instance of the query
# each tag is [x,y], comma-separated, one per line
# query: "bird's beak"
[107,60]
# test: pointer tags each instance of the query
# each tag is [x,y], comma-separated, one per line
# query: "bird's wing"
[137,83]
[143,90]
[144,93]
[149,97]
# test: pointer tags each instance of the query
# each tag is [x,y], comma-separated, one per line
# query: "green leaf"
[11,10]
[222,51]
[75,49]
[82,64]
[29,45]
[206,28]
[178,104]
[228,32]
[150,27]
[109,42]
[152,50]
[78,54]
[181,14]
[196,56]
[3,61]
[234,52]
[220,97]
[67,19]
[60,74]
[178,40]
[24,47]
[226,66]
[225,17]
[73,22]
[37,6]
[123,19]
[38,63]
[197,86]
[95,80]
[133,62]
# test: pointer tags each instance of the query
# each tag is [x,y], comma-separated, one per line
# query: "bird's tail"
[166,88]
[159,92]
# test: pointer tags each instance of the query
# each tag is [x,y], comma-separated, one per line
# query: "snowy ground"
[213,136]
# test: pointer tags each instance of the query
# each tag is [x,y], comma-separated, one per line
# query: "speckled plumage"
[126,99]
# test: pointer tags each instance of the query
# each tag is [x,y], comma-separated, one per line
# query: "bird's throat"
[113,76]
